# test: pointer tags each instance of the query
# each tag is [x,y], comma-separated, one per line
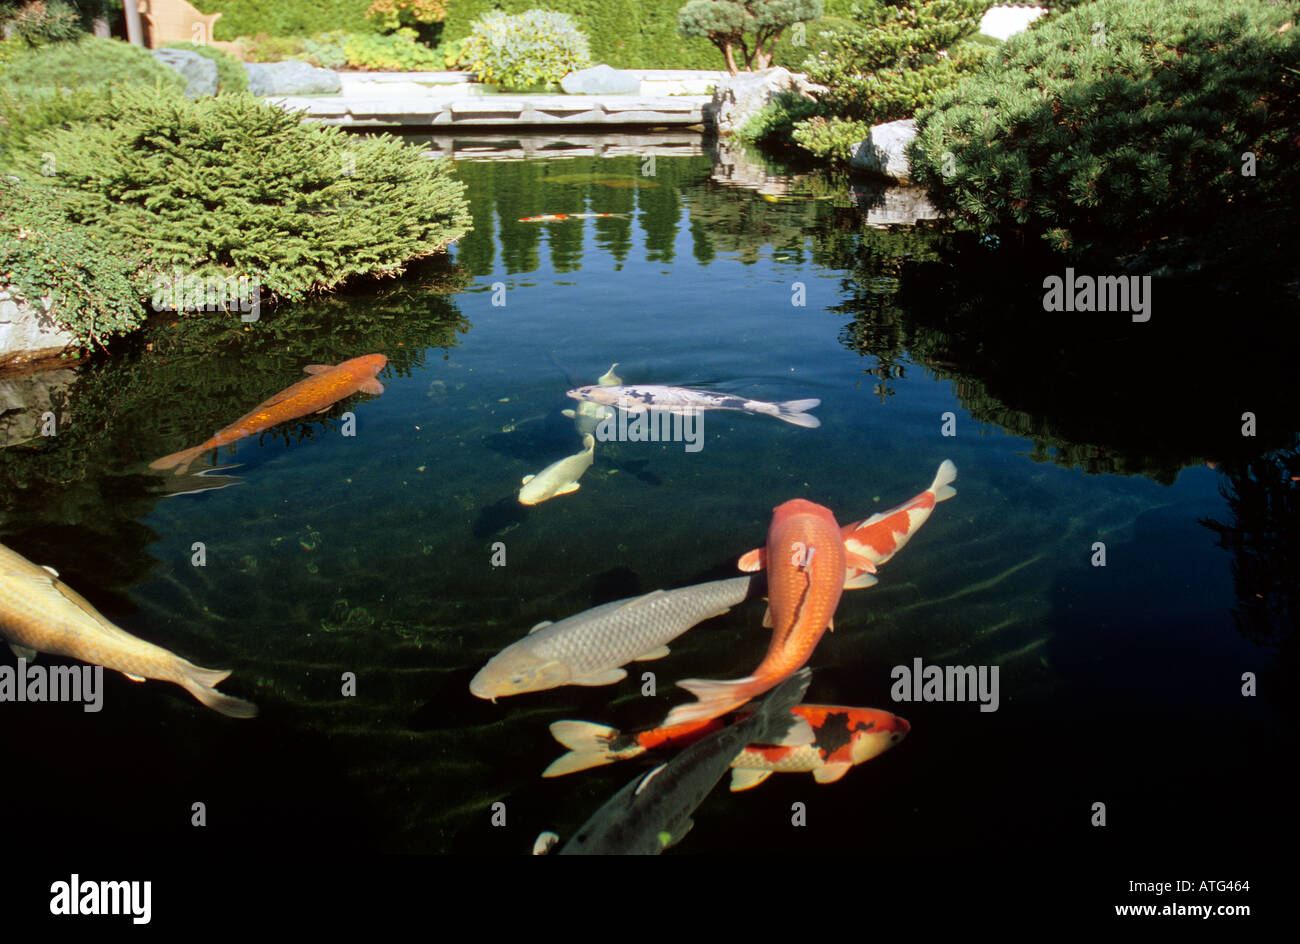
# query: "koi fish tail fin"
[941,485]
[589,746]
[202,684]
[715,699]
[181,460]
[796,412]
[778,724]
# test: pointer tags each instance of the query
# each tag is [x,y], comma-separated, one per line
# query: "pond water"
[373,554]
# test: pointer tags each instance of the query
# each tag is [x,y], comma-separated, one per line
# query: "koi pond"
[1115,577]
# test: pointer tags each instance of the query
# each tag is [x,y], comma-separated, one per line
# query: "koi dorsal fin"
[317,368]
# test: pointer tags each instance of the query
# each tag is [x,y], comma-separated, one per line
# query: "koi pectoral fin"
[858,561]
[608,677]
[747,779]
[831,772]
[856,581]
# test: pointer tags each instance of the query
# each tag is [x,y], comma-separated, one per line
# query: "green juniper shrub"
[535,49]
[59,84]
[230,186]
[91,61]
[95,284]
[1127,133]
[231,76]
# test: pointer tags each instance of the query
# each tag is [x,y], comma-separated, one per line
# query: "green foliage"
[57,85]
[231,75]
[266,48]
[453,54]
[1086,137]
[535,48]
[327,50]
[288,17]
[95,284]
[817,36]
[414,14]
[36,23]
[774,122]
[886,64]
[751,27]
[626,34]
[396,52]
[831,139]
[92,61]
[231,186]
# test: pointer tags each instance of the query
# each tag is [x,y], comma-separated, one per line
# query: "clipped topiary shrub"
[744,31]
[1122,122]
[535,49]
[229,186]
[231,76]
[95,284]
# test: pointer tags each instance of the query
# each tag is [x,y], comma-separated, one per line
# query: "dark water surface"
[372,554]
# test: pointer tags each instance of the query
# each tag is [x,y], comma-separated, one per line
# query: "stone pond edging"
[28,332]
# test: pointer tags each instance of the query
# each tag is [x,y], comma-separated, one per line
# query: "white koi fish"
[558,478]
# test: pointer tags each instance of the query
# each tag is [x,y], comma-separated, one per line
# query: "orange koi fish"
[805,577]
[326,386]
[844,737]
[877,539]
[560,217]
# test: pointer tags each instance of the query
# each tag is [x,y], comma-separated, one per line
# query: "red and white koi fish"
[805,577]
[875,540]
[560,217]
[844,738]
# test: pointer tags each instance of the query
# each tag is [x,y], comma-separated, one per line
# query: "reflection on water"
[373,554]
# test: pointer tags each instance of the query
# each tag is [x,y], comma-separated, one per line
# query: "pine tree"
[728,23]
